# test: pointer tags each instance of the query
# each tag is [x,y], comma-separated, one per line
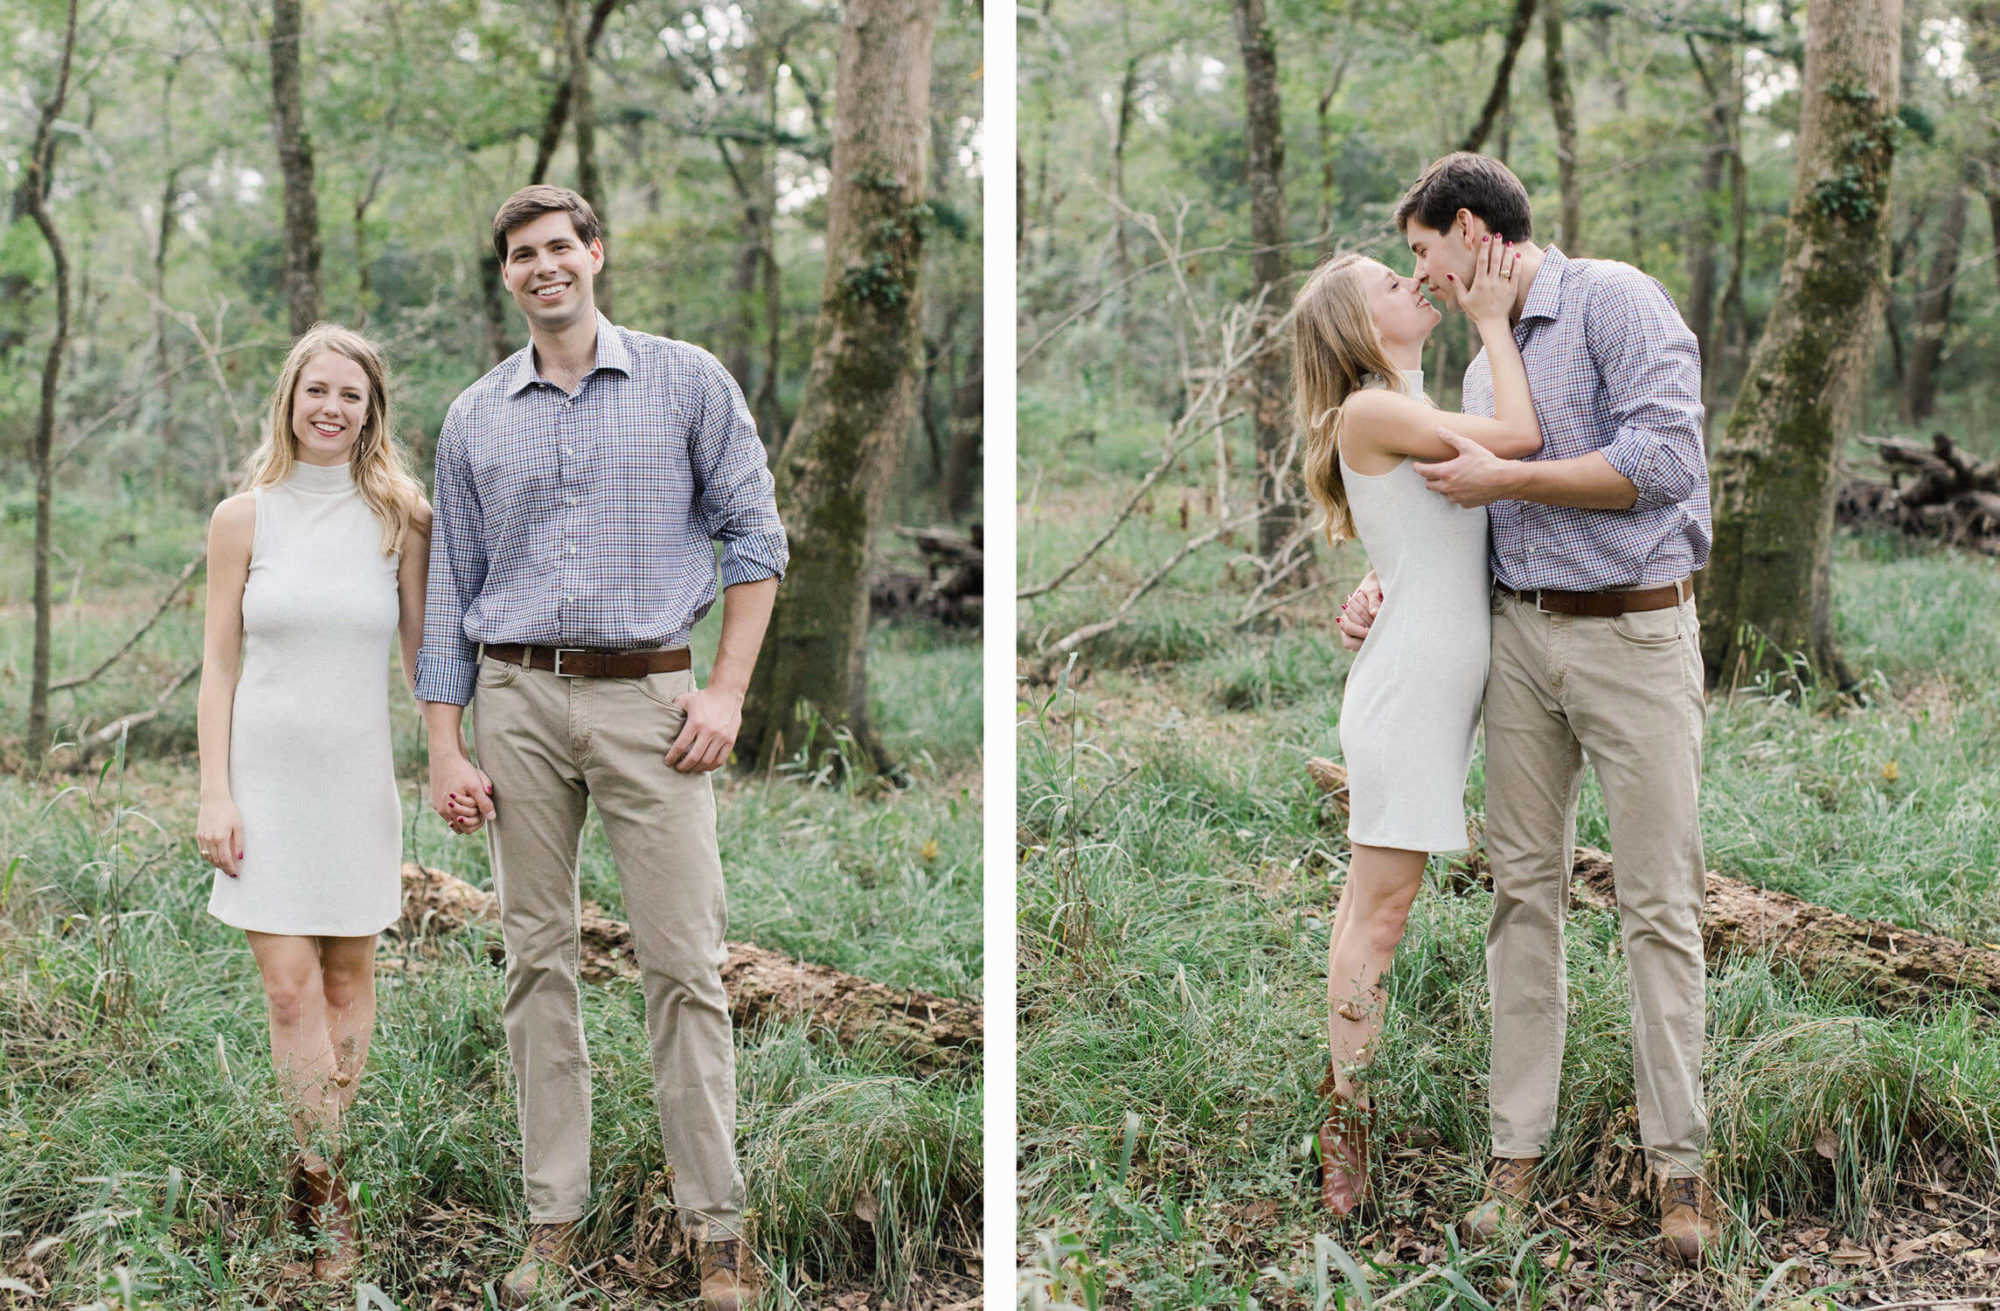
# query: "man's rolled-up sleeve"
[735,502]
[448,664]
[1651,366]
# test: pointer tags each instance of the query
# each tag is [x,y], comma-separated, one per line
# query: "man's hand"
[461,793]
[714,716]
[1472,478]
[1357,612]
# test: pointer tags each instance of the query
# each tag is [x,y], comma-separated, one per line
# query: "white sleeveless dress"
[310,764]
[1411,706]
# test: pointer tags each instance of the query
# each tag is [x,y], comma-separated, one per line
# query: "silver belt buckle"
[1539,607]
[572,650]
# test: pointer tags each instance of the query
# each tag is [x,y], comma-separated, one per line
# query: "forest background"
[1179,168]
[218,173]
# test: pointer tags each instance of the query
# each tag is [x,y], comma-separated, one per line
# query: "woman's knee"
[291,999]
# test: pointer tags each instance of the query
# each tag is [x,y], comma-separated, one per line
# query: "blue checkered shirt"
[1612,368]
[590,520]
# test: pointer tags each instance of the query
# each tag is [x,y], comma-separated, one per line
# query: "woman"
[1411,706]
[312,569]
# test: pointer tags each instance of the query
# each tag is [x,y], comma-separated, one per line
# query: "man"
[1595,650]
[581,486]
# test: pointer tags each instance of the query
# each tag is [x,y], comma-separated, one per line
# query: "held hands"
[218,834]
[1491,295]
[1358,611]
[714,716]
[1472,478]
[461,794]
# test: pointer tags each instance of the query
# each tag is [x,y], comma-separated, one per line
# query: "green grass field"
[140,1131]
[1179,872]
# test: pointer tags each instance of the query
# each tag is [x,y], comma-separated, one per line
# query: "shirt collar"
[1545,296]
[611,354]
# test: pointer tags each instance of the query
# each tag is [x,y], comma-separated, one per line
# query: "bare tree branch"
[187,571]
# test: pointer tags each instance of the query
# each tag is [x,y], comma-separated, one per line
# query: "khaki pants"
[549,743]
[1628,691]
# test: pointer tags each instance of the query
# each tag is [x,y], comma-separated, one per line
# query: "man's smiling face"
[1439,253]
[549,271]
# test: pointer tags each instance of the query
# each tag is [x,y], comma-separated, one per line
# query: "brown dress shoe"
[543,1264]
[1688,1225]
[1509,1180]
[1343,1157]
[728,1276]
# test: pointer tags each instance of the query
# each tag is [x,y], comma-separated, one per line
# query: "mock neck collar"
[321,479]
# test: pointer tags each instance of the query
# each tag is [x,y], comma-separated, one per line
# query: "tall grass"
[141,1140]
[1174,897]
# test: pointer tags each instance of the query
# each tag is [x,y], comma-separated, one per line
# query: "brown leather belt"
[1605,605]
[576,662]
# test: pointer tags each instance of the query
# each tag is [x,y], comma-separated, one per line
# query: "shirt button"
[569,500]
[569,600]
[571,548]
[565,450]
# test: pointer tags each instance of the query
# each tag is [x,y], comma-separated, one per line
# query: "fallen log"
[1893,966]
[931,1031]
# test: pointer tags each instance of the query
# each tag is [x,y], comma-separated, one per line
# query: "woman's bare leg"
[1382,884]
[296,998]
[347,974]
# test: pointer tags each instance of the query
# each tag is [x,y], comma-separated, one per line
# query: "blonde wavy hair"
[380,475]
[1335,352]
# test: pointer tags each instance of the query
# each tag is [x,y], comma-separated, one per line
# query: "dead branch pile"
[932,1032]
[1932,491]
[949,590]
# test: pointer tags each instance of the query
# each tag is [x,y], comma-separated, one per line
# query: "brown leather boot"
[543,1265]
[1343,1157]
[298,1197]
[1509,1181]
[332,1218]
[728,1276]
[1688,1225]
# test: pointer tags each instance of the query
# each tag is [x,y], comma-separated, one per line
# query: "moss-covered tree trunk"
[295,162]
[861,389]
[1279,514]
[1775,471]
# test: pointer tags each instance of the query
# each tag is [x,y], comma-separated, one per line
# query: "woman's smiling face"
[1401,312]
[329,409]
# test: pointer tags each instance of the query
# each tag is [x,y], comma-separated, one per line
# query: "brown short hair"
[1478,183]
[530,203]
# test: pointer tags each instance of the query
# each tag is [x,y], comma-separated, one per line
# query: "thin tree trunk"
[861,390]
[41,449]
[1934,310]
[1733,328]
[751,171]
[1127,86]
[583,118]
[1707,232]
[1489,113]
[1563,110]
[1278,511]
[1776,470]
[1900,250]
[967,419]
[1323,222]
[295,162]
[163,238]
